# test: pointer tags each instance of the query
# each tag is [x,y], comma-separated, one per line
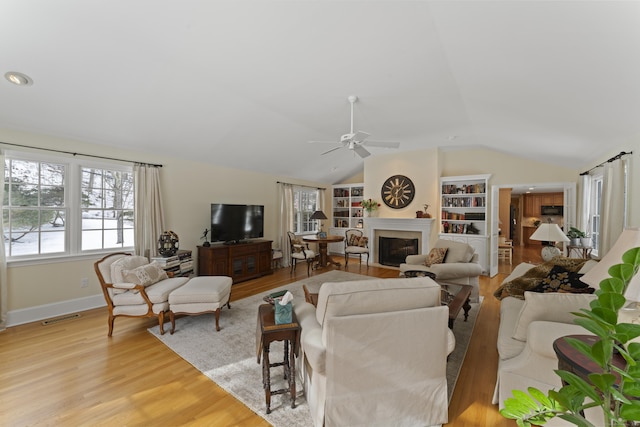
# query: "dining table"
[323,245]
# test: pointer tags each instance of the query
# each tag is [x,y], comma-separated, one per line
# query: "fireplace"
[403,228]
[393,251]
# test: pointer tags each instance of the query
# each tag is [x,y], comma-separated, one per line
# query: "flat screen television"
[235,223]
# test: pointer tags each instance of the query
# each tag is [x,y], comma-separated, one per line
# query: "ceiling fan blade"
[386,144]
[360,136]
[333,149]
[362,152]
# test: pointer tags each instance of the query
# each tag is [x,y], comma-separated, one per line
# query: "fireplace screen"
[393,251]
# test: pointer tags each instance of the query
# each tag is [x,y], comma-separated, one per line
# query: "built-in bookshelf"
[346,208]
[463,213]
[463,205]
[347,212]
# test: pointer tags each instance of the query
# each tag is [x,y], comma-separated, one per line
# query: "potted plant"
[369,205]
[575,234]
[618,400]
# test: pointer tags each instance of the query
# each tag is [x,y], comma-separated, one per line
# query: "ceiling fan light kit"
[355,141]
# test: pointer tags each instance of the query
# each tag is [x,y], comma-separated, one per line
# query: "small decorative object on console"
[168,244]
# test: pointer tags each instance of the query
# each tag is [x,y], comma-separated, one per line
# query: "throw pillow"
[554,307]
[145,275]
[353,240]
[298,244]
[531,279]
[560,279]
[436,256]
[126,263]
[363,242]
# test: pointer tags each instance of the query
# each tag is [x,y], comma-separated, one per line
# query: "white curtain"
[583,202]
[285,198]
[612,218]
[3,260]
[149,216]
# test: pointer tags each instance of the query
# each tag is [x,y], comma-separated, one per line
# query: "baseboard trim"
[46,311]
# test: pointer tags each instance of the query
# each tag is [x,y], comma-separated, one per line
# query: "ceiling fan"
[355,141]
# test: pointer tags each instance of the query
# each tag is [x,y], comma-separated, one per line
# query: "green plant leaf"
[580,384]
[631,410]
[629,330]
[541,397]
[576,419]
[611,284]
[634,350]
[602,381]
[591,326]
[632,256]
[606,315]
[526,400]
[612,301]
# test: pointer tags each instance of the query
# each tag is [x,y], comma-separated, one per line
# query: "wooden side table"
[571,360]
[267,332]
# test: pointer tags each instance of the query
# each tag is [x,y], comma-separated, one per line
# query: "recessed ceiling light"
[18,78]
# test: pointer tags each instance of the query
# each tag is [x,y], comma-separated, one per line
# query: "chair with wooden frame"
[130,299]
[300,252]
[355,243]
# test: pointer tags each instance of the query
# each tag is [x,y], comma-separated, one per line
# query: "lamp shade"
[318,215]
[548,232]
[629,239]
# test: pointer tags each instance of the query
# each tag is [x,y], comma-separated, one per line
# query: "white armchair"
[375,352]
[133,287]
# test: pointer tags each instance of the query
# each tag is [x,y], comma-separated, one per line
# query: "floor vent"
[60,319]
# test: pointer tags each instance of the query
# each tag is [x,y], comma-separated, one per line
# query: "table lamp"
[549,232]
[319,215]
[629,239]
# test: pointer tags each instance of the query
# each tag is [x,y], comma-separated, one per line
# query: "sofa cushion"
[435,256]
[532,277]
[509,313]
[560,279]
[145,275]
[552,307]
[456,251]
[375,296]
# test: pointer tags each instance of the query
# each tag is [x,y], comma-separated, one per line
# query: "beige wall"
[188,190]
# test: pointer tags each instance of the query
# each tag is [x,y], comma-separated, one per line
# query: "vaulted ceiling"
[246,84]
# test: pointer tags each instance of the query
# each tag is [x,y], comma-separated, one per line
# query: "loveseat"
[374,353]
[529,324]
[459,266]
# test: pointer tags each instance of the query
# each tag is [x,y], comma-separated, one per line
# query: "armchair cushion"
[456,251]
[145,275]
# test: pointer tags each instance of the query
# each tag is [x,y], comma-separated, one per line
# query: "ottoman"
[203,294]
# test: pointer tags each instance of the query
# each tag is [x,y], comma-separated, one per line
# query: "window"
[107,209]
[594,213]
[34,209]
[304,205]
[57,207]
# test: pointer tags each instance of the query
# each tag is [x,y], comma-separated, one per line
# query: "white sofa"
[460,266]
[526,334]
[374,353]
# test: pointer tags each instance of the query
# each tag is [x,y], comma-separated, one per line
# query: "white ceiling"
[247,83]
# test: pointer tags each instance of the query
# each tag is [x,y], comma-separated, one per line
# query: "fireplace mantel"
[421,225]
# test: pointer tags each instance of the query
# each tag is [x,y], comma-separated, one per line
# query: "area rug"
[229,357]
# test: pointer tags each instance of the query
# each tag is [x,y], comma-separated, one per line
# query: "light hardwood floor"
[71,374]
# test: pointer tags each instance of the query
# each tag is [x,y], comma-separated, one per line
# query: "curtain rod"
[616,157]
[300,185]
[80,154]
